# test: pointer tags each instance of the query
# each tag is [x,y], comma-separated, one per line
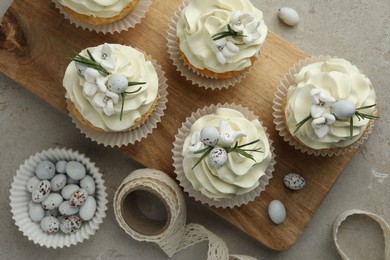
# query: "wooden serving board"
[50,38]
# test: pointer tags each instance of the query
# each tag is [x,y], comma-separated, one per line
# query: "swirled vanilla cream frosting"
[97,8]
[225,154]
[330,105]
[111,85]
[221,35]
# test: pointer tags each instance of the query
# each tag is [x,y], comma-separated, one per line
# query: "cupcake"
[220,38]
[98,12]
[327,106]
[111,87]
[223,156]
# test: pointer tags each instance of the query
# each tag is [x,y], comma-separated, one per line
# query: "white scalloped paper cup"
[278,114]
[20,197]
[182,134]
[189,74]
[119,139]
[130,21]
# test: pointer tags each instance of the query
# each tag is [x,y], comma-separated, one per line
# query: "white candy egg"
[61,166]
[32,183]
[75,170]
[117,83]
[45,170]
[52,201]
[41,191]
[66,209]
[217,157]
[58,182]
[343,109]
[288,15]
[78,198]
[277,211]
[294,181]
[88,209]
[209,135]
[70,224]
[50,224]
[88,183]
[68,190]
[35,211]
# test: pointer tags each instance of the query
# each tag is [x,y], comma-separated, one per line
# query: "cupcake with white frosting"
[112,88]
[223,156]
[325,106]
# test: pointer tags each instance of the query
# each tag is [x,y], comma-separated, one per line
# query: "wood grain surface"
[50,38]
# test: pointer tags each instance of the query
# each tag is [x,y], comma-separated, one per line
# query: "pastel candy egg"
[88,183]
[52,212]
[35,211]
[45,170]
[68,190]
[209,135]
[32,183]
[66,209]
[117,83]
[288,15]
[70,224]
[277,212]
[61,166]
[78,198]
[294,181]
[41,191]
[50,224]
[52,201]
[217,157]
[343,109]
[88,209]
[75,170]
[58,182]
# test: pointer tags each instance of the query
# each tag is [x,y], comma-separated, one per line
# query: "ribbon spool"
[169,231]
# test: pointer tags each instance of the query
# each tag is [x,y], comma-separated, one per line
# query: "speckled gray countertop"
[357,30]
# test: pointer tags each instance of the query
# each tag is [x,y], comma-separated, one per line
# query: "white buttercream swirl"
[335,78]
[201,19]
[97,8]
[130,63]
[239,174]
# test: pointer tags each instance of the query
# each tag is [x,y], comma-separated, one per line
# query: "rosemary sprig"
[361,116]
[205,152]
[301,123]
[90,62]
[126,93]
[229,32]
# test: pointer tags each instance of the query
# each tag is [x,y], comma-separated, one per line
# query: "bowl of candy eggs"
[58,198]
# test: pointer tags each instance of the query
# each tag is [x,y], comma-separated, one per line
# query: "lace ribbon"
[174,235]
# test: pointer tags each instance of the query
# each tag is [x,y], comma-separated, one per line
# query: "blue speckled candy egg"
[294,181]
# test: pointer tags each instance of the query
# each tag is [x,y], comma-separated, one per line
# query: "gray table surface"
[357,30]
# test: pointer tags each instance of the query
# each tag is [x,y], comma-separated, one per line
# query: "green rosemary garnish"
[127,93]
[229,32]
[301,123]
[90,62]
[205,152]
[361,116]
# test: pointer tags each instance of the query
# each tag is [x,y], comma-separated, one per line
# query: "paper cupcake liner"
[189,74]
[20,198]
[278,115]
[133,18]
[186,184]
[130,137]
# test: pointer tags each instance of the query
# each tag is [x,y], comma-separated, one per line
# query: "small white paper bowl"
[20,198]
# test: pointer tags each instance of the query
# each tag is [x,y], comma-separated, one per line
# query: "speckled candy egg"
[35,211]
[70,224]
[288,16]
[61,166]
[277,212]
[66,209]
[68,190]
[294,181]
[45,170]
[52,201]
[209,135]
[88,183]
[41,191]
[75,170]
[343,109]
[50,224]
[217,157]
[78,198]
[32,183]
[58,182]
[88,209]
[117,83]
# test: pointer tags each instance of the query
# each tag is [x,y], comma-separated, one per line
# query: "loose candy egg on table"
[294,181]
[288,15]
[277,212]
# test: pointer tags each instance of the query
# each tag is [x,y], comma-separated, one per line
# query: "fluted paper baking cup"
[278,114]
[130,137]
[194,76]
[130,21]
[20,197]
[180,137]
